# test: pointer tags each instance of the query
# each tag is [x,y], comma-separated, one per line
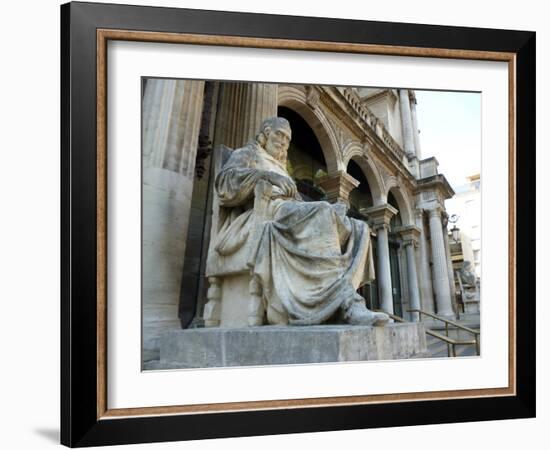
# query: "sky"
[450,130]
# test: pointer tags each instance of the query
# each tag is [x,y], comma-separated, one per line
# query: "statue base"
[268,345]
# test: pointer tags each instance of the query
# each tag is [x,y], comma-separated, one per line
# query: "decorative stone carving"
[312,97]
[304,261]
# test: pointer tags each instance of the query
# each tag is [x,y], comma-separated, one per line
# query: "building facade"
[355,145]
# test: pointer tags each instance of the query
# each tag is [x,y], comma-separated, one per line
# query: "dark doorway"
[395,279]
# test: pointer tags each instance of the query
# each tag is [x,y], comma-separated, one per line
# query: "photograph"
[299,223]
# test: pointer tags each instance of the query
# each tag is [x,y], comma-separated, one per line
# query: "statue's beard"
[279,154]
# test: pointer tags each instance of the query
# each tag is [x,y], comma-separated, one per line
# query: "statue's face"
[278,140]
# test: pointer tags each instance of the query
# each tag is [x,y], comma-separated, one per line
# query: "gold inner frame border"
[103,36]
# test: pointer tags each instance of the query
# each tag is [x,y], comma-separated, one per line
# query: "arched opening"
[396,220]
[306,162]
[401,201]
[360,197]
[294,99]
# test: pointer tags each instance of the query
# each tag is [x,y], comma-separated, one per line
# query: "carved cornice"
[391,94]
[437,183]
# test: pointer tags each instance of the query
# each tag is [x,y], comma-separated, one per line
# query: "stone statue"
[307,259]
[466,275]
[468,281]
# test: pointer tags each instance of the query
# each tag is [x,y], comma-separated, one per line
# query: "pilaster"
[411,236]
[426,291]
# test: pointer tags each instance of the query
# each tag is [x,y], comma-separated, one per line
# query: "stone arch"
[294,98]
[376,184]
[402,198]
[351,150]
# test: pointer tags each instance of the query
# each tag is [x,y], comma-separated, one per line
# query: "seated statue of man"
[310,258]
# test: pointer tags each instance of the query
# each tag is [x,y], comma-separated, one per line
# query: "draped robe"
[310,257]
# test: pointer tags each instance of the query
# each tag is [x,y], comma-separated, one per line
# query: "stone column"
[410,237]
[450,271]
[171,123]
[439,258]
[426,292]
[380,217]
[244,106]
[406,122]
[338,186]
[416,132]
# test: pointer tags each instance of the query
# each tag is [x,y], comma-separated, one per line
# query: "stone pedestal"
[267,345]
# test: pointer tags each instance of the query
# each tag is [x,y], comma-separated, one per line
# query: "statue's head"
[274,135]
[466,266]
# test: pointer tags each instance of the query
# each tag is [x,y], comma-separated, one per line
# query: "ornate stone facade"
[359,146]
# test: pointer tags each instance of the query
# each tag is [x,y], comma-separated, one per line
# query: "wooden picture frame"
[86,419]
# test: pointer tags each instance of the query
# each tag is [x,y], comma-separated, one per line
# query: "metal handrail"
[457,325]
[451,343]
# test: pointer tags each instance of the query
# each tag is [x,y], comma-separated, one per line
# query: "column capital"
[380,215]
[435,211]
[338,186]
[410,234]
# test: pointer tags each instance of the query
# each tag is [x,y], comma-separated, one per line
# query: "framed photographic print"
[278,224]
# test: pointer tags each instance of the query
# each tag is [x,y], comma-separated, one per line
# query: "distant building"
[466,205]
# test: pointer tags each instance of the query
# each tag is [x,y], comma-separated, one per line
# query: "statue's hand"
[284,183]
